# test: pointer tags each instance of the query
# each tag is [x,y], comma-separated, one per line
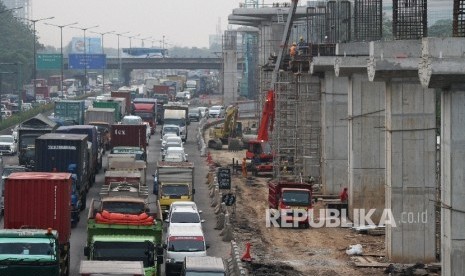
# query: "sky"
[183,23]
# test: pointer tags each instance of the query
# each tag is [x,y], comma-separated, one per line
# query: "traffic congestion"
[115,190]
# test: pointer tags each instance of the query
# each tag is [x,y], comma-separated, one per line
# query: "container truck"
[40,201]
[124,237]
[96,114]
[173,181]
[148,113]
[70,110]
[284,196]
[125,95]
[108,103]
[129,135]
[28,131]
[58,152]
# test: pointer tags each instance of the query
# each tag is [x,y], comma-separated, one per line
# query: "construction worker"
[293,50]
[302,47]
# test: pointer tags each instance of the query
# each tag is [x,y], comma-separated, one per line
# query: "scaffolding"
[368,23]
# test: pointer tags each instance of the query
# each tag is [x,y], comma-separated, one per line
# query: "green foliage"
[16,46]
[441,28]
[24,115]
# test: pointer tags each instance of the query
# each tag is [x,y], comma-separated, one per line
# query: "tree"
[441,28]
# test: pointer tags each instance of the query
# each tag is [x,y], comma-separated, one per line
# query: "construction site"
[350,108]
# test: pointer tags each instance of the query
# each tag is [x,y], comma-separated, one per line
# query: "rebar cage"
[409,19]
[368,19]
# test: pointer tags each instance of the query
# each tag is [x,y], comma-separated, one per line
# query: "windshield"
[194,111]
[186,244]
[44,248]
[174,130]
[184,217]
[6,139]
[123,251]
[7,171]
[296,198]
[131,121]
[175,190]
[123,207]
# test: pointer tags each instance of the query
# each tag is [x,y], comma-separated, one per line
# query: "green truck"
[128,236]
[109,103]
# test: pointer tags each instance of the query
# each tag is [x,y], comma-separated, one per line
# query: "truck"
[286,196]
[96,114]
[108,103]
[129,166]
[148,113]
[36,235]
[96,155]
[125,94]
[58,152]
[41,89]
[177,115]
[133,268]
[70,110]
[133,177]
[28,131]
[173,181]
[129,135]
[123,236]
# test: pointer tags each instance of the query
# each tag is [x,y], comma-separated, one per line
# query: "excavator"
[229,132]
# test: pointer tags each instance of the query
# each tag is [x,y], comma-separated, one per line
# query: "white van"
[182,241]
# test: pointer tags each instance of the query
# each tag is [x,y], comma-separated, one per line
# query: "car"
[8,144]
[174,154]
[194,114]
[7,170]
[166,136]
[216,111]
[168,128]
[171,139]
[131,120]
[171,144]
[187,216]
[203,111]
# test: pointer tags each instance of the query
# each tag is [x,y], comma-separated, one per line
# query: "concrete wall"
[453,179]
[334,133]
[366,145]
[410,171]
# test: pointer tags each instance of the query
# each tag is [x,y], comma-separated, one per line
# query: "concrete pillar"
[334,132]
[366,145]
[453,179]
[230,92]
[410,171]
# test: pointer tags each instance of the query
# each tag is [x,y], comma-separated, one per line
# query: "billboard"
[89,61]
[93,45]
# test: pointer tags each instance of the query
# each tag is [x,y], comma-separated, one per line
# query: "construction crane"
[259,153]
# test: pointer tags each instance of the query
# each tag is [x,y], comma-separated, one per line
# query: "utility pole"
[103,52]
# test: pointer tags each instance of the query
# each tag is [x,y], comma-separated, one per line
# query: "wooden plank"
[366,261]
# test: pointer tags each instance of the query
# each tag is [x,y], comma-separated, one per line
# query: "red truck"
[148,113]
[41,202]
[129,136]
[285,197]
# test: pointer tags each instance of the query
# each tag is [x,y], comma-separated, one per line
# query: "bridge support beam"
[410,151]
[127,77]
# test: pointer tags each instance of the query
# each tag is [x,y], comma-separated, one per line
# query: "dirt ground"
[284,251]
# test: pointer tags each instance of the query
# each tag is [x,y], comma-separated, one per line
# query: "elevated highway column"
[442,67]
[366,135]
[410,151]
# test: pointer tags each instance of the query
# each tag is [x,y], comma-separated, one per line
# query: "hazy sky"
[185,23]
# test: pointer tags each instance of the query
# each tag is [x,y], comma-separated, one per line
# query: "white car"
[174,154]
[131,120]
[216,111]
[170,141]
[187,216]
[8,144]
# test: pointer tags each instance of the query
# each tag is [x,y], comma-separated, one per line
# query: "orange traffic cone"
[246,257]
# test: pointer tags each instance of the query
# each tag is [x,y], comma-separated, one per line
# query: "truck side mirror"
[86,251]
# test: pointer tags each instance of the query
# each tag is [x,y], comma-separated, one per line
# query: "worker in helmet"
[302,47]
[293,50]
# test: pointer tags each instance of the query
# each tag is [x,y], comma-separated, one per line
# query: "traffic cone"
[246,257]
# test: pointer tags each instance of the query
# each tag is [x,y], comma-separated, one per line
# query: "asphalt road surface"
[79,234]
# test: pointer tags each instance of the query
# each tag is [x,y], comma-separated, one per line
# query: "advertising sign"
[89,61]
[48,61]
[93,45]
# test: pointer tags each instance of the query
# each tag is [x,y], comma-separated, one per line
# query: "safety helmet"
[294,44]
[301,38]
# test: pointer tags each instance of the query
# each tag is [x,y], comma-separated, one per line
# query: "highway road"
[217,246]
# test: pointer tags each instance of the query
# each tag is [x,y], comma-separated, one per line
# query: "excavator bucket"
[235,144]
[215,144]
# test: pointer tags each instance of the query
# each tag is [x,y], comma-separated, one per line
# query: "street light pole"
[85,55]
[61,51]
[143,39]
[34,74]
[103,52]
[119,57]
[130,40]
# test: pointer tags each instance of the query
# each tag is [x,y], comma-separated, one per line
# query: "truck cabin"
[139,153]
[175,191]
[124,205]
[205,266]
[295,197]
[29,246]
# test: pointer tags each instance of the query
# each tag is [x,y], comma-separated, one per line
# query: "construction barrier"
[235,266]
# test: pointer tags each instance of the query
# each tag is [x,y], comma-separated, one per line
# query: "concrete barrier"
[235,263]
